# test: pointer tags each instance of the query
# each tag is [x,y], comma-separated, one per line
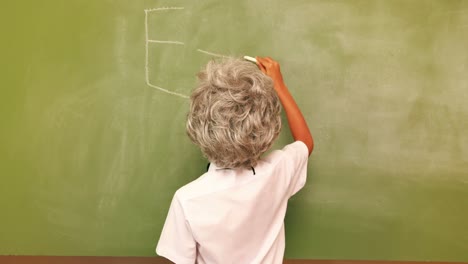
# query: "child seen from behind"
[234,213]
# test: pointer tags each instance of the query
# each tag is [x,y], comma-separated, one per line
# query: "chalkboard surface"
[94,99]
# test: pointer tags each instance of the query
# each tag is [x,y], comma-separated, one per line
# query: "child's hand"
[297,123]
[271,68]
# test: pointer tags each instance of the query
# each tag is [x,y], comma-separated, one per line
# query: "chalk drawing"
[211,53]
[173,42]
[159,42]
[163,8]
[166,42]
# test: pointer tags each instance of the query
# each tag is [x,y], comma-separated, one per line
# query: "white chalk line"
[157,41]
[165,41]
[166,91]
[211,53]
[164,8]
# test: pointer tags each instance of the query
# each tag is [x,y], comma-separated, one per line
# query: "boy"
[234,213]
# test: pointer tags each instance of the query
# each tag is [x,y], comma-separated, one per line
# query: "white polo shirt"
[234,216]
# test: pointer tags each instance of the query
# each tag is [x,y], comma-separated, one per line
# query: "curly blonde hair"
[234,113]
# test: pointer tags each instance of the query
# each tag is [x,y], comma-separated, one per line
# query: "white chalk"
[252,59]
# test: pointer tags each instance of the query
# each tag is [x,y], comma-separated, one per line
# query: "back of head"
[234,113]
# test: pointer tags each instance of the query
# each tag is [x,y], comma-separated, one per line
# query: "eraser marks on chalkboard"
[252,59]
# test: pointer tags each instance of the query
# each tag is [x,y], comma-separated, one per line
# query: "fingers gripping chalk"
[252,59]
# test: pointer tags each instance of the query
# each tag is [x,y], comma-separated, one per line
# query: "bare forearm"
[297,124]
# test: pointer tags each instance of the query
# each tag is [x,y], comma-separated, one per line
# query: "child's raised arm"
[297,123]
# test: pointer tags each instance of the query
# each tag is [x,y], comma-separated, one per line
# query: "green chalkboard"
[94,99]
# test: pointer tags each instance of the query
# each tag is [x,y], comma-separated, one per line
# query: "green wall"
[91,151]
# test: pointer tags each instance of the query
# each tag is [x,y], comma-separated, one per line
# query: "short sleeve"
[176,242]
[296,156]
